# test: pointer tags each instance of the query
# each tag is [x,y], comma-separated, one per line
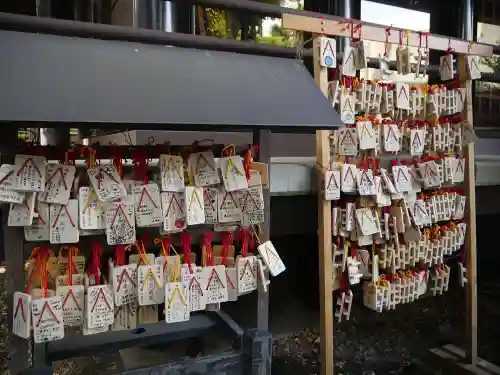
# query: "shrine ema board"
[392,172]
[47,315]
[72,291]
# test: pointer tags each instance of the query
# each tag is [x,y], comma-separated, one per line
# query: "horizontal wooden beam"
[337,26]
[111,151]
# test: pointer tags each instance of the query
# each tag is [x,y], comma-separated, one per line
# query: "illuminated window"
[389,15]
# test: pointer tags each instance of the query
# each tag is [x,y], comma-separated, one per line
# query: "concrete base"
[451,359]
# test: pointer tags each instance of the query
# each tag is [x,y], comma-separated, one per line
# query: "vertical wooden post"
[470,244]
[262,138]
[324,228]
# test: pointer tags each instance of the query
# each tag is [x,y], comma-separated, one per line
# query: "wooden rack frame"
[339,26]
[457,360]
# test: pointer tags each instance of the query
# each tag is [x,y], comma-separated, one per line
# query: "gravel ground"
[367,344]
[396,342]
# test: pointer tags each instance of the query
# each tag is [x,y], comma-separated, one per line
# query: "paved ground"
[370,343]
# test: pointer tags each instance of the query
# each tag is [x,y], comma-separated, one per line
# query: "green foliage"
[279,36]
[227,24]
[216,23]
[277,30]
[276,40]
[494,64]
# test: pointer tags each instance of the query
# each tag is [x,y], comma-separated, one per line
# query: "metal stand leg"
[263,139]
[39,356]
[257,354]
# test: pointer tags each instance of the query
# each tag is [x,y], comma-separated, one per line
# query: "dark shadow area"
[393,342]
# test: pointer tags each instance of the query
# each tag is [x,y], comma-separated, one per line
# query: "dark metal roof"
[46,78]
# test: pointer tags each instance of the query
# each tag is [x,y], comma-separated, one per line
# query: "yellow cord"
[171,299]
[231,147]
[150,274]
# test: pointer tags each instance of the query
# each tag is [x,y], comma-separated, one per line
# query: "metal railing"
[486,104]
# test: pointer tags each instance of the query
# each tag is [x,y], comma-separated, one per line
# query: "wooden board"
[342,27]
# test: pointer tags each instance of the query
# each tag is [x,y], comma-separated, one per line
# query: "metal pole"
[168,18]
[154,14]
[91,13]
[346,13]
[140,15]
[22,23]
[77,10]
[145,14]
[348,9]
[43,10]
[193,20]
[468,19]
